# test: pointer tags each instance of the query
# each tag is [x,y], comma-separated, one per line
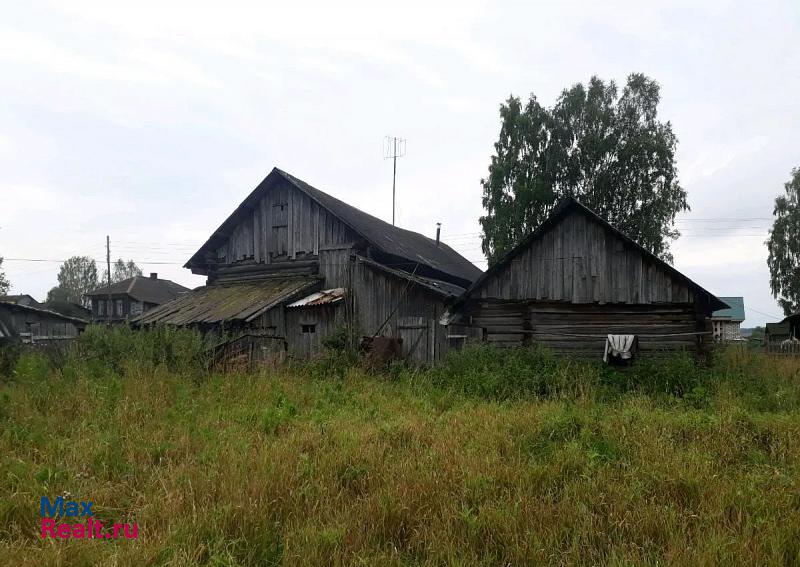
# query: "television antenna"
[393,148]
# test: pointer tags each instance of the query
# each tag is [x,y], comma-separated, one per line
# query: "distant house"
[574,281]
[132,297]
[794,325]
[292,265]
[23,299]
[34,325]
[726,323]
[787,329]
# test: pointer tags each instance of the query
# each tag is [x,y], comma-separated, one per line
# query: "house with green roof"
[726,323]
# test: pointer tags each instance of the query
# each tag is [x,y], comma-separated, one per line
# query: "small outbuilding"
[576,280]
[34,325]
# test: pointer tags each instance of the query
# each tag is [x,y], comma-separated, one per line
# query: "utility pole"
[110,307]
[395,147]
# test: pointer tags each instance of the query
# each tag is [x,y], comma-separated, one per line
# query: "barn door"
[414,331]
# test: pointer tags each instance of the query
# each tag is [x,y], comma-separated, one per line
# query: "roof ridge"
[561,208]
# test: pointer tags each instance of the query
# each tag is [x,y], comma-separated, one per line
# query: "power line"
[765,314]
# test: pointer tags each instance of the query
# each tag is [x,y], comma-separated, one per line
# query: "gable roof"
[735,312]
[141,288]
[392,240]
[560,211]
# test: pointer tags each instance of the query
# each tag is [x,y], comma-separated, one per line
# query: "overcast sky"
[151,121]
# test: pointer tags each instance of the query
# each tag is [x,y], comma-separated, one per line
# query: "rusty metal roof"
[240,302]
[324,297]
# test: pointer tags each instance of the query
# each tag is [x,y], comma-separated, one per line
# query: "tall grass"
[493,459]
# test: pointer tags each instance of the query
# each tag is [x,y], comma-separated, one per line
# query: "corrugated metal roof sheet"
[735,312]
[324,297]
[230,302]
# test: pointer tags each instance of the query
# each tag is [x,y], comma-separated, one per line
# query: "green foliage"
[784,247]
[5,285]
[58,295]
[271,468]
[487,372]
[608,150]
[121,270]
[121,348]
[9,353]
[338,340]
[77,276]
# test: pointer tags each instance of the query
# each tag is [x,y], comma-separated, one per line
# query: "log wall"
[580,329]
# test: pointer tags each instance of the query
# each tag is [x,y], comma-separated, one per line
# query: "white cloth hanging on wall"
[619,345]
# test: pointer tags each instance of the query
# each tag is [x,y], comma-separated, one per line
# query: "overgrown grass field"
[493,459]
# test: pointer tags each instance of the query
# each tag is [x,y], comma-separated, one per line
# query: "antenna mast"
[394,148]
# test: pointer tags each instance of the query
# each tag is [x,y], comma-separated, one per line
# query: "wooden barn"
[574,281]
[35,325]
[292,265]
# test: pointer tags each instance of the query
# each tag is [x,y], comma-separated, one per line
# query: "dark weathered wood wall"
[580,282]
[409,311]
[40,327]
[325,320]
[580,329]
[286,225]
[580,261]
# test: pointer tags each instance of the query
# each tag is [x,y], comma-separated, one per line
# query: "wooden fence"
[783,349]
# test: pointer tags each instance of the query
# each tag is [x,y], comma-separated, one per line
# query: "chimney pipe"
[153,276]
[438,232]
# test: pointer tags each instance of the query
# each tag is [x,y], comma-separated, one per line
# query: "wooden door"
[415,334]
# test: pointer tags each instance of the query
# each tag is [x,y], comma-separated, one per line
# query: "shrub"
[9,353]
[180,350]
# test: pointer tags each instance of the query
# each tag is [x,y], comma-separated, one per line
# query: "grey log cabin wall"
[577,279]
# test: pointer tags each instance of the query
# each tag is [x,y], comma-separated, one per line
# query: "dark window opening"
[309,328]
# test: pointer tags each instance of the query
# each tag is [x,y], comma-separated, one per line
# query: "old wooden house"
[126,299]
[293,264]
[35,325]
[574,281]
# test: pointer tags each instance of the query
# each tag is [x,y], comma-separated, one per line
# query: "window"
[101,307]
[119,307]
[309,328]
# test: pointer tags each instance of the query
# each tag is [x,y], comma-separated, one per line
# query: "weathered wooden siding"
[388,306]
[285,225]
[33,326]
[324,320]
[580,329]
[580,261]
[335,265]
